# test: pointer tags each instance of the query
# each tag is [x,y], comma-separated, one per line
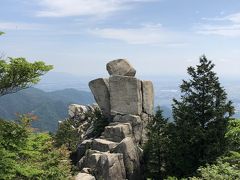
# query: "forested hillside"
[50,107]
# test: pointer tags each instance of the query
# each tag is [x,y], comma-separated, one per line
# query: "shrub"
[28,155]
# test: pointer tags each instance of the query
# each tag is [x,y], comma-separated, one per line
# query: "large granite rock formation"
[100,90]
[125,95]
[128,103]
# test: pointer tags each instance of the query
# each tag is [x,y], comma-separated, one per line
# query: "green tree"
[228,165]
[233,135]
[200,116]
[68,135]
[28,155]
[99,122]
[18,73]
[155,150]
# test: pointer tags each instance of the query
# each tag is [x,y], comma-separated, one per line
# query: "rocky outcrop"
[84,176]
[148,97]
[125,95]
[128,104]
[104,165]
[117,131]
[77,111]
[81,114]
[103,145]
[136,124]
[120,67]
[100,90]
[131,157]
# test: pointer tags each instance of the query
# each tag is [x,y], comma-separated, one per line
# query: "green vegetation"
[203,140]
[68,135]
[233,135]
[18,73]
[71,132]
[200,120]
[28,155]
[99,123]
[228,165]
[50,107]
[68,132]
[24,153]
[155,148]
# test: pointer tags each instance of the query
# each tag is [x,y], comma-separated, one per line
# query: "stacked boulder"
[128,103]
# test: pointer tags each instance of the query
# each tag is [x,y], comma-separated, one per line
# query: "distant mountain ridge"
[50,107]
[51,97]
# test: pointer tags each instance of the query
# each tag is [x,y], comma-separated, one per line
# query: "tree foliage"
[223,169]
[18,73]
[99,122]
[68,135]
[28,155]
[233,135]
[155,150]
[200,116]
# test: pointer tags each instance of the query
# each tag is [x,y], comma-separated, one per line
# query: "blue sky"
[159,37]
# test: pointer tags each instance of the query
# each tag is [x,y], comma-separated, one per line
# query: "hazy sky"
[157,36]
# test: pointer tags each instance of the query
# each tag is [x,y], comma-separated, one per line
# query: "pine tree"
[201,117]
[156,148]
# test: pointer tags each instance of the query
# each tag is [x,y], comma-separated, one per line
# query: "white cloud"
[222,30]
[235,18]
[19,26]
[228,26]
[146,34]
[62,8]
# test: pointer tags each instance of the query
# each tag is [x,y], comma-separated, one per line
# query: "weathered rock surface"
[105,165]
[125,95]
[83,147]
[81,116]
[145,119]
[86,170]
[78,111]
[73,109]
[128,104]
[117,131]
[120,67]
[135,122]
[89,160]
[148,97]
[100,90]
[131,158]
[84,176]
[103,145]
[111,167]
